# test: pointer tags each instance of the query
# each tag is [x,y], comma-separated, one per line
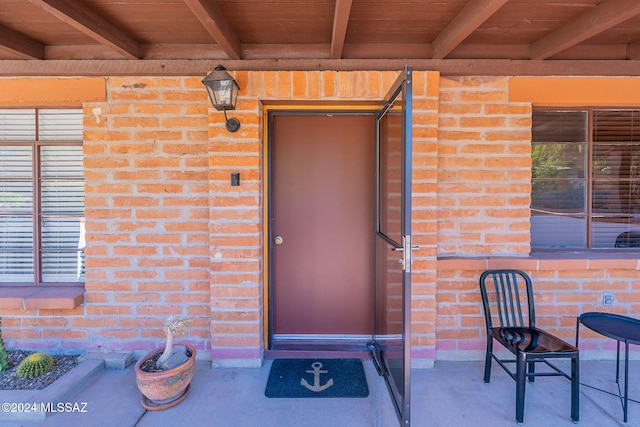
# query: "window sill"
[585,253]
[542,260]
[41,297]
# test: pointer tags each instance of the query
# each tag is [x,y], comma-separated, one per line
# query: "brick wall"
[236,233]
[168,234]
[424,216]
[484,177]
[147,214]
[563,289]
[484,169]
[147,193]
[237,329]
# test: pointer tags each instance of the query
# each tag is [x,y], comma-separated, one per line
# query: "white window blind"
[50,166]
[60,125]
[62,213]
[17,125]
[16,210]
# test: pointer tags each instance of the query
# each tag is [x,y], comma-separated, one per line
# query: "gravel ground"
[10,381]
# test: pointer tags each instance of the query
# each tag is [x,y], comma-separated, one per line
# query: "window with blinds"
[585,179]
[42,233]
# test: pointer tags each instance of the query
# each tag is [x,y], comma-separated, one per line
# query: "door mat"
[295,378]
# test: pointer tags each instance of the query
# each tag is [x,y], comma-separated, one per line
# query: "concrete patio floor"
[448,395]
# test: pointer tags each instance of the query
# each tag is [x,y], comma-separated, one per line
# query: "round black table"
[620,328]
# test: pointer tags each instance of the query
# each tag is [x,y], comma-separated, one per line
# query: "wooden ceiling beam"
[210,16]
[474,14]
[602,17]
[447,67]
[93,25]
[340,23]
[20,44]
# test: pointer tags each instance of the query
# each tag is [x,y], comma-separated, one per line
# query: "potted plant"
[163,376]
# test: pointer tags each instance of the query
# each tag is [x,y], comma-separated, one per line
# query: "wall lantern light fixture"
[223,93]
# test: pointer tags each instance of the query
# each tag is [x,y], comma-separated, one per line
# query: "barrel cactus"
[35,365]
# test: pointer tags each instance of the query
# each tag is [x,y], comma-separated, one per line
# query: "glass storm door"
[391,344]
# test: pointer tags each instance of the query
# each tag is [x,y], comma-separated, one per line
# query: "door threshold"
[316,354]
[325,346]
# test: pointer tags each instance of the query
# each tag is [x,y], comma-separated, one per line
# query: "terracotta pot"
[164,389]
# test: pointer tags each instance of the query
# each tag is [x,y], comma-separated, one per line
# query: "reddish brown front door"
[322,177]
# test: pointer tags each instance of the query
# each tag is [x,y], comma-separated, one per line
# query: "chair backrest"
[507,299]
[628,239]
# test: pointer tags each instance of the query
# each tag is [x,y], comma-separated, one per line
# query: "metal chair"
[628,239]
[507,298]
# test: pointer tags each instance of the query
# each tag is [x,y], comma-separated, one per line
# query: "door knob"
[277,240]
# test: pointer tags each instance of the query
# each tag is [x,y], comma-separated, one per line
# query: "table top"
[615,326]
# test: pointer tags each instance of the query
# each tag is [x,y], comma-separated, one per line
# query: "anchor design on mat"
[316,387]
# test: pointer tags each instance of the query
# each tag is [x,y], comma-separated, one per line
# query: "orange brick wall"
[147,221]
[484,169]
[484,176]
[168,234]
[237,265]
[147,194]
[564,288]
[424,216]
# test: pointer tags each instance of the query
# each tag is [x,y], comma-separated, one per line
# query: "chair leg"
[488,359]
[532,370]
[521,382]
[575,389]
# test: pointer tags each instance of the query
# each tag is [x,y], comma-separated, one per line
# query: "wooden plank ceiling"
[535,37]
